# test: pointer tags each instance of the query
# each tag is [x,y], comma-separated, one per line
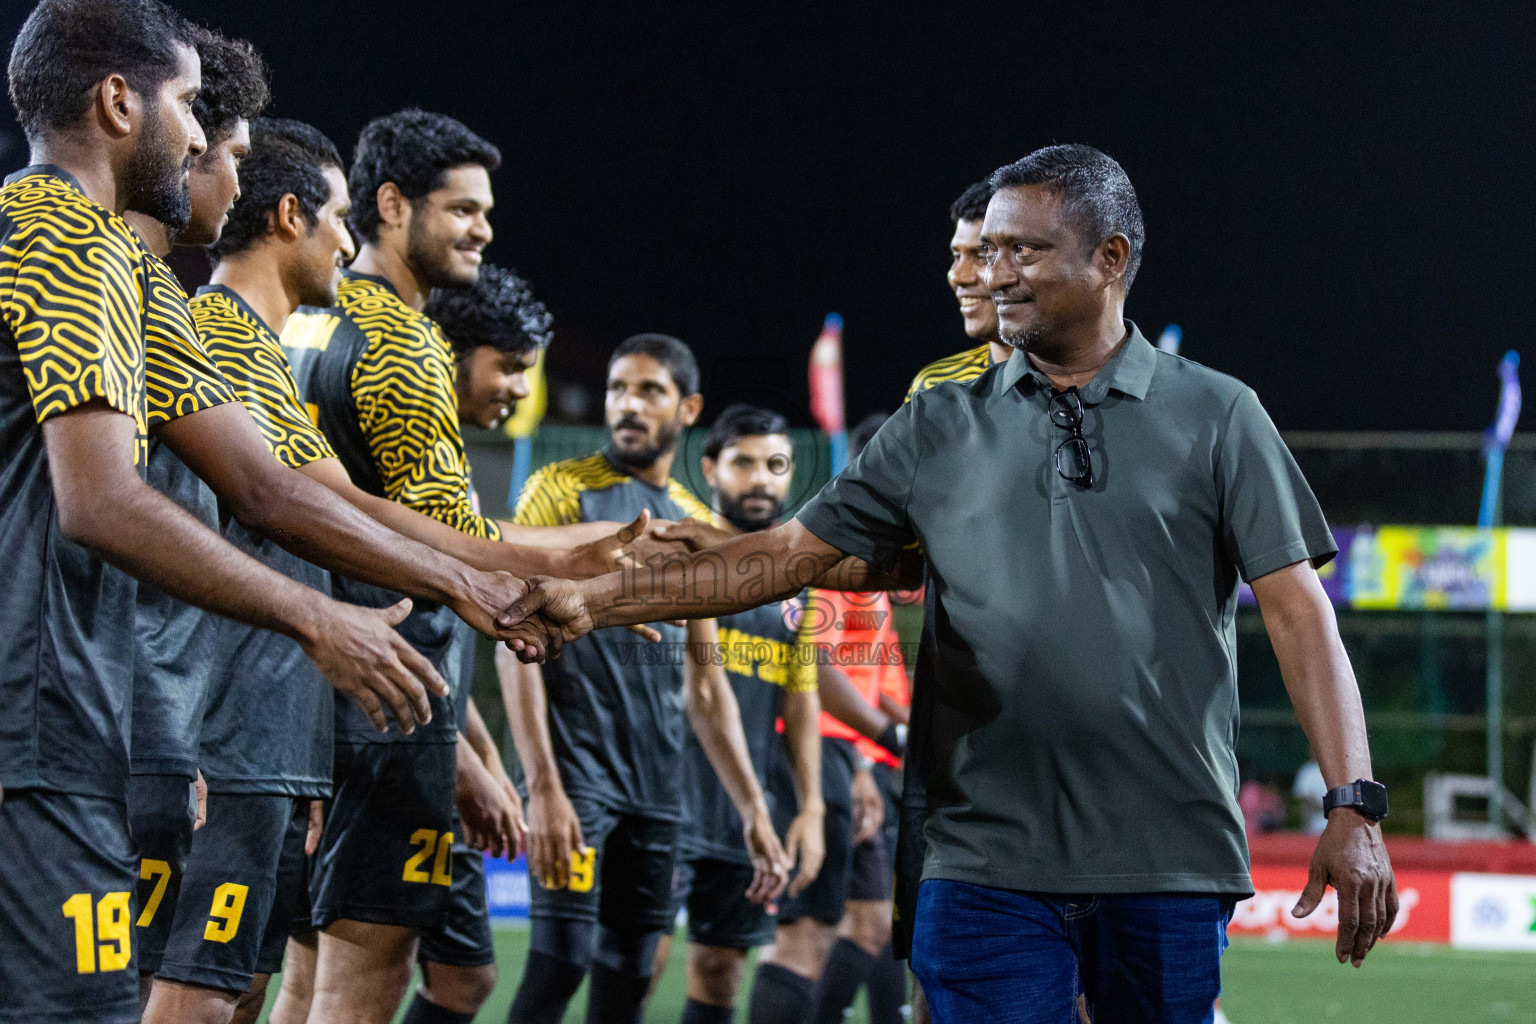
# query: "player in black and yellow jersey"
[599,732]
[263,769]
[104,90]
[768,658]
[976,309]
[378,377]
[175,640]
[497,330]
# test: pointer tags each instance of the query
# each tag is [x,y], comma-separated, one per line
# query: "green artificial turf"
[1295,982]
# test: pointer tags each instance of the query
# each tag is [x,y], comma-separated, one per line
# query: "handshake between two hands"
[553,611]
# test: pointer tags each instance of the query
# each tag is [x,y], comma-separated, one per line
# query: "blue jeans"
[1001,956]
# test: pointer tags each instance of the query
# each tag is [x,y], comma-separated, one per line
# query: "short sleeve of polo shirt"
[70,296]
[407,410]
[179,375]
[864,511]
[1269,516]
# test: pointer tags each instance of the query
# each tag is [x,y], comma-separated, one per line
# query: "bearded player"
[749,463]
[600,733]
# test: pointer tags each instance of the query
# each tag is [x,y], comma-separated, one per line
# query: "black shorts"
[622,880]
[869,875]
[162,809]
[824,898]
[465,941]
[874,860]
[290,906]
[66,910]
[888,781]
[386,853]
[219,929]
[719,913]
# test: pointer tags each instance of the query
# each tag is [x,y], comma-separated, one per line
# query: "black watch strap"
[1364,796]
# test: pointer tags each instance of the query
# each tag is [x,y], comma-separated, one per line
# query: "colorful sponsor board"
[506,888]
[1424,907]
[1465,909]
[1430,568]
[1493,911]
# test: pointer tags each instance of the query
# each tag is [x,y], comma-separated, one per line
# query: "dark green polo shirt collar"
[1129,371]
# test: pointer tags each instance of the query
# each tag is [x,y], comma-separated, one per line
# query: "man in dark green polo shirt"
[1086,511]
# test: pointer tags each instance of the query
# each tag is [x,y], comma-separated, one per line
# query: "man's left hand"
[1351,857]
[770,867]
[868,806]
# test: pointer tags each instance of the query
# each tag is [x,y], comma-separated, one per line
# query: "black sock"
[848,967]
[548,984]
[424,1011]
[696,1012]
[615,997]
[887,987]
[779,996]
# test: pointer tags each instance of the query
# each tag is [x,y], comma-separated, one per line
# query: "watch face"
[1373,799]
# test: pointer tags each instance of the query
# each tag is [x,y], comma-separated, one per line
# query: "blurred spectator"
[1309,790]
[1263,806]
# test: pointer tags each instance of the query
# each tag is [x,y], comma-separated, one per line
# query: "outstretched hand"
[1351,857]
[359,652]
[694,534]
[550,615]
[490,594]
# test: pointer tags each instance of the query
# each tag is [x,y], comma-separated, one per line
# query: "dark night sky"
[1335,203]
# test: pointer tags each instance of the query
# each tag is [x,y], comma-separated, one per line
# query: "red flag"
[827,376]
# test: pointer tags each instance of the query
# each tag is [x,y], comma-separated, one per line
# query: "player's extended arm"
[107,507]
[554,830]
[805,843]
[530,551]
[742,573]
[1350,854]
[224,447]
[716,720]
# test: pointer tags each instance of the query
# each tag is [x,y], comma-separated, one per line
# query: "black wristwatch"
[1363,795]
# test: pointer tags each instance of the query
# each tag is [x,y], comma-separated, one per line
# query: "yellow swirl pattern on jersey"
[962,367]
[72,284]
[252,360]
[179,375]
[407,408]
[552,495]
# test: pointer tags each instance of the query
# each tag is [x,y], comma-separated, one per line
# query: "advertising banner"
[1424,907]
[506,888]
[1493,911]
[1438,568]
[1429,568]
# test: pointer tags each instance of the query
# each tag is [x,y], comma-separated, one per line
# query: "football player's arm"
[554,830]
[485,748]
[490,821]
[224,446]
[104,505]
[570,558]
[805,842]
[716,720]
[842,700]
